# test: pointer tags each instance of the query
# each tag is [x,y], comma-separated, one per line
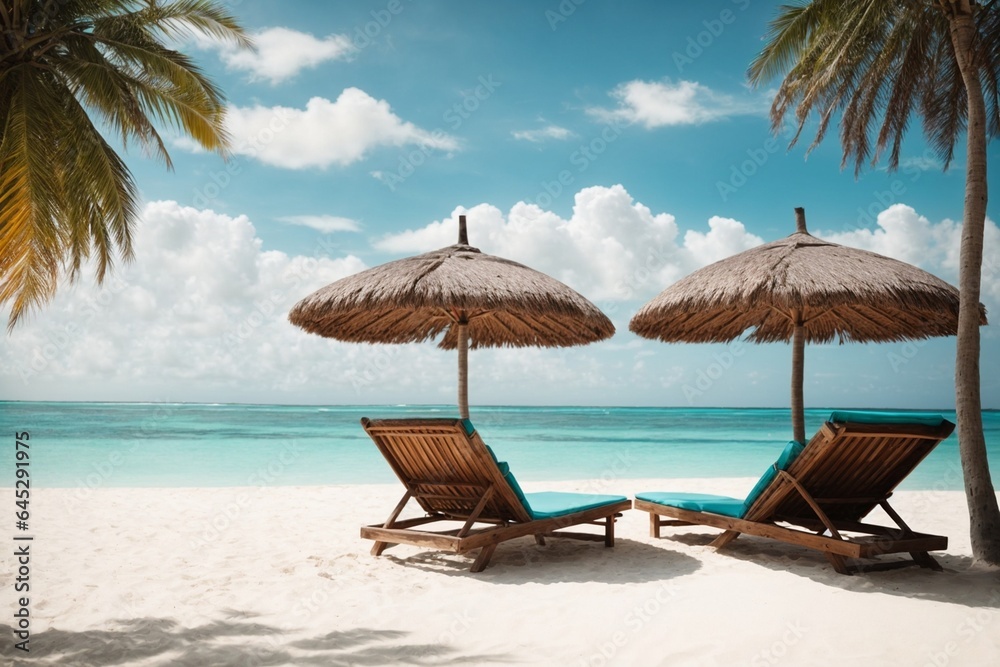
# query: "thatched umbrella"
[473,299]
[802,288]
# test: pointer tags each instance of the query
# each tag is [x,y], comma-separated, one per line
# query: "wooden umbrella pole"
[800,220]
[798,353]
[463,367]
[798,371]
[463,340]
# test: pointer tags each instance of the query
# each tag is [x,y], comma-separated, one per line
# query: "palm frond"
[31,242]
[871,64]
[65,194]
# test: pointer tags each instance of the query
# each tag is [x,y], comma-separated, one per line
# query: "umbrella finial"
[800,220]
[463,234]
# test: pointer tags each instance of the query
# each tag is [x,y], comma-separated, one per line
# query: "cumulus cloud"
[543,134]
[611,248]
[204,300]
[655,104]
[282,53]
[921,163]
[325,132]
[905,235]
[202,313]
[326,224]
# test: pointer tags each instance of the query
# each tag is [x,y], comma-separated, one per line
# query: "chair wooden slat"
[843,473]
[452,476]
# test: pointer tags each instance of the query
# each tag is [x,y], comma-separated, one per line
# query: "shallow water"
[182,444]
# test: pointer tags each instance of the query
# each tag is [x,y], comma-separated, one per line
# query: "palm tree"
[874,62]
[71,71]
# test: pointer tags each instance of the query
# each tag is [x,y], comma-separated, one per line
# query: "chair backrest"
[446,466]
[853,462]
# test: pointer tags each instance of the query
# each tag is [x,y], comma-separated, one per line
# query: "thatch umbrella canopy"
[468,298]
[802,288]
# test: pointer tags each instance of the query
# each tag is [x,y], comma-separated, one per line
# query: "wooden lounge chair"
[455,477]
[820,492]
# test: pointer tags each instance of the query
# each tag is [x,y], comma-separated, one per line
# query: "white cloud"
[326,224]
[186,143]
[658,104]
[203,301]
[282,53]
[614,249]
[325,132]
[202,313]
[936,247]
[921,163]
[543,134]
[610,249]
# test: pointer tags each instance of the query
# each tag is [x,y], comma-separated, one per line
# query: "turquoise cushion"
[469,428]
[696,502]
[548,504]
[509,477]
[492,454]
[790,453]
[512,481]
[923,418]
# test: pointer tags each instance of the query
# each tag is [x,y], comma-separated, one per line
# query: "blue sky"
[614,146]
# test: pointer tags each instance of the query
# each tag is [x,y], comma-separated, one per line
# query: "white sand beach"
[279,576]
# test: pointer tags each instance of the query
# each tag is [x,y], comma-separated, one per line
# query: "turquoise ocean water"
[178,445]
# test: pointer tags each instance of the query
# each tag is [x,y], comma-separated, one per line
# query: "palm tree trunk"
[984,514]
[463,368]
[798,371]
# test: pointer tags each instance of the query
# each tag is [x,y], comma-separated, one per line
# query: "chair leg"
[483,559]
[724,539]
[654,524]
[379,547]
[839,563]
[924,559]
[609,531]
[539,539]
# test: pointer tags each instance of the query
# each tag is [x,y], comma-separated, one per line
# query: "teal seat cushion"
[549,504]
[922,418]
[509,477]
[696,502]
[788,455]
[724,505]
[512,481]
